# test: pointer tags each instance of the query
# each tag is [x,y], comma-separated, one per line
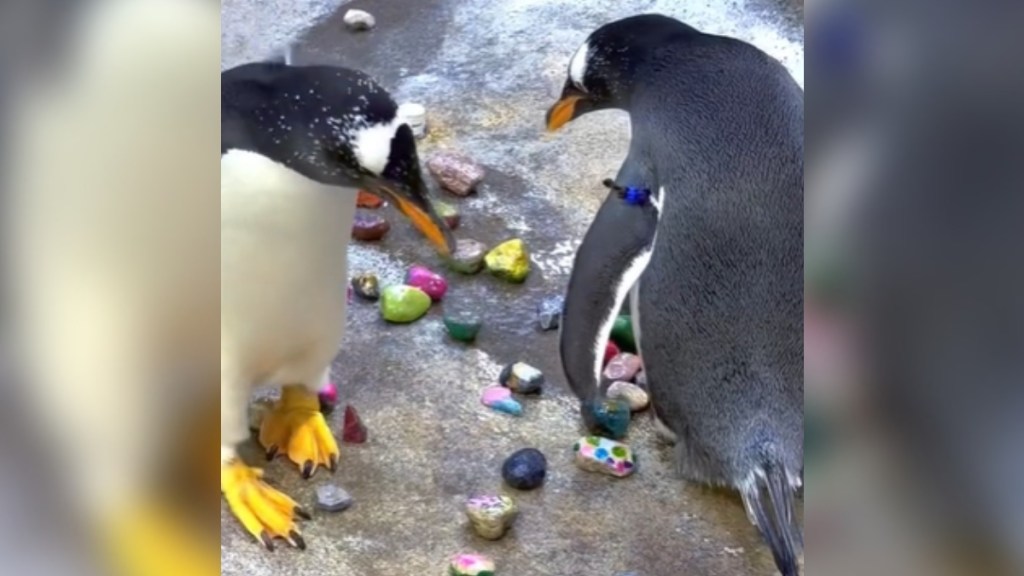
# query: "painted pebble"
[403,304]
[427,280]
[328,396]
[468,257]
[549,312]
[332,498]
[596,454]
[525,469]
[609,417]
[641,379]
[522,378]
[365,199]
[509,261]
[491,516]
[359,20]
[353,430]
[366,286]
[625,367]
[462,326]
[471,565]
[500,398]
[456,173]
[369,227]
[449,213]
[622,333]
[610,351]
[634,395]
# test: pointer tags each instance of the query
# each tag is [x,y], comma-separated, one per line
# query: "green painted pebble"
[403,304]
[622,333]
[462,326]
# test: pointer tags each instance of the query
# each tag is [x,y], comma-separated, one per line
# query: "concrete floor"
[486,77]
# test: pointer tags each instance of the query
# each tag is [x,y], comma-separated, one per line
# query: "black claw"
[296,538]
[334,464]
[272,452]
[307,469]
[267,540]
[301,513]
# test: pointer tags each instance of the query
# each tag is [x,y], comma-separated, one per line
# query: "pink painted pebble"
[471,565]
[500,398]
[456,173]
[625,367]
[430,282]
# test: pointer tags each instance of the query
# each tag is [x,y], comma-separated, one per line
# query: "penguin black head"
[602,71]
[333,125]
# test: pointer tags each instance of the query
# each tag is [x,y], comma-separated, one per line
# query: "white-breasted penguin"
[717,293]
[296,144]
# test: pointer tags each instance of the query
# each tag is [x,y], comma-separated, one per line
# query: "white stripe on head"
[372,144]
[578,64]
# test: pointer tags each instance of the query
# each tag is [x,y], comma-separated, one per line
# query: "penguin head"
[333,125]
[603,69]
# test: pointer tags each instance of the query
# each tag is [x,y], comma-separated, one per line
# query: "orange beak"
[562,112]
[428,223]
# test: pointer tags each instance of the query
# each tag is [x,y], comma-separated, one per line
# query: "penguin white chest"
[284,240]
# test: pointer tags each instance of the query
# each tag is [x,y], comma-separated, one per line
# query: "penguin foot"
[265,512]
[296,426]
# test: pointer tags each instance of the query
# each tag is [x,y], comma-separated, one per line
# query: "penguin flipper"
[615,251]
[769,498]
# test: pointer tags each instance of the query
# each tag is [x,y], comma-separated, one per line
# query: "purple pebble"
[430,282]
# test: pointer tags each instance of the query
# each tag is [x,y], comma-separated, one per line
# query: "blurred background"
[914,317]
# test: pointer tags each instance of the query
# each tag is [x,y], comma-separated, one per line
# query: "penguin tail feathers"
[769,498]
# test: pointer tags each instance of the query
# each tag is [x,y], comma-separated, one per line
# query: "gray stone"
[359,20]
[549,312]
[332,498]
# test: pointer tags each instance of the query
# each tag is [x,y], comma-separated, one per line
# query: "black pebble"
[525,470]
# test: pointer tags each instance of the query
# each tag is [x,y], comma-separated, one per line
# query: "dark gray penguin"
[717,291]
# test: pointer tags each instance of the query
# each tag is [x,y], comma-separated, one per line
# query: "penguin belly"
[284,240]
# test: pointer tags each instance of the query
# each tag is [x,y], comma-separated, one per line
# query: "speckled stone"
[432,283]
[359,20]
[403,304]
[353,430]
[365,199]
[609,417]
[522,378]
[549,312]
[456,173]
[624,367]
[525,469]
[634,395]
[509,261]
[596,454]
[500,399]
[622,333]
[369,227]
[332,498]
[257,410]
[366,286]
[449,213]
[491,516]
[462,325]
[468,257]
[471,565]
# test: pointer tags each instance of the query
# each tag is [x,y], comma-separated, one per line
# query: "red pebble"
[353,432]
[610,351]
[367,200]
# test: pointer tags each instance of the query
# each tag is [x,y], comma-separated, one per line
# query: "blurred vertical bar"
[915,288]
[109,125]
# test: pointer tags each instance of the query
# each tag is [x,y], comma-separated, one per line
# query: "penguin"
[297,142]
[716,294]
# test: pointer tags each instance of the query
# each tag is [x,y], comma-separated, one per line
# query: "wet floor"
[486,77]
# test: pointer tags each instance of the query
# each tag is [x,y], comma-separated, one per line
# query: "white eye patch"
[578,65]
[372,144]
